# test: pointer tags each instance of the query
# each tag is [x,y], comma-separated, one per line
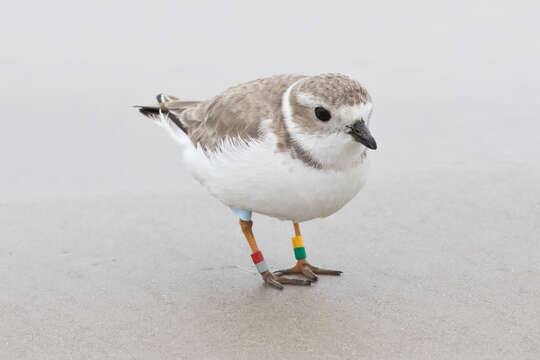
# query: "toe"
[284,272]
[289,281]
[273,282]
[307,272]
[320,271]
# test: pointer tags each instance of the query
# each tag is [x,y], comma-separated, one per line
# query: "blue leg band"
[245,215]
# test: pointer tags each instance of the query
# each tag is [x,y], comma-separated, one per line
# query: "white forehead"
[347,113]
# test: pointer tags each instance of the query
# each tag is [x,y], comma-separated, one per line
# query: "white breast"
[255,177]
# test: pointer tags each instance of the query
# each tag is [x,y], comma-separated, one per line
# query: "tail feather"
[168,109]
[149,111]
[163,98]
[160,114]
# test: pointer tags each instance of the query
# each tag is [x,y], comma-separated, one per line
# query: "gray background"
[108,249]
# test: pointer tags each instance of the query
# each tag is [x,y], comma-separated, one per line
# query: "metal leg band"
[262,267]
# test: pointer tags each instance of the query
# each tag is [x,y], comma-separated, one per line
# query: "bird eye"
[322,114]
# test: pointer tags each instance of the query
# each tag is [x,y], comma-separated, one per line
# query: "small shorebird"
[292,147]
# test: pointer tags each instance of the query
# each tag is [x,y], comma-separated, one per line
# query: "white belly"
[259,179]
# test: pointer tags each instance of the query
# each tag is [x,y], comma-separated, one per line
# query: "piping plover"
[292,147]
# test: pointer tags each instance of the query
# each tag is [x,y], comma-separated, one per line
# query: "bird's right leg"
[258,259]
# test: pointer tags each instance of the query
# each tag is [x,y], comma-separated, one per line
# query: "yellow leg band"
[297,242]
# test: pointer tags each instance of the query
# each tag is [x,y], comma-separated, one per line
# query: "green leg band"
[300,253]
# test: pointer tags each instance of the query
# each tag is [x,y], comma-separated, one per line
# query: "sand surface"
[109,250]
[441,263]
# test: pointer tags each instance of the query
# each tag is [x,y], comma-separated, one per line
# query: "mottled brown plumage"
[238,112]
[335,89]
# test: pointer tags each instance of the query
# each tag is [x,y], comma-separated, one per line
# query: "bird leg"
[269,278]
[302,266]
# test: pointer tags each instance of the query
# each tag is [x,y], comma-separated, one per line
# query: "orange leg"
[302,266]
[269,278]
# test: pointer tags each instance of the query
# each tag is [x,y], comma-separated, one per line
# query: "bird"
[293,147]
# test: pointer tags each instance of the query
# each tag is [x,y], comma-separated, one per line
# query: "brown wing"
[235,113]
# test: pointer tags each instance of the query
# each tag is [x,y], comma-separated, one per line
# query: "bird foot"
[302,267]
[277,281]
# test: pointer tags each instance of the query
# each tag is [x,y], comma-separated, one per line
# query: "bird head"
[328,116]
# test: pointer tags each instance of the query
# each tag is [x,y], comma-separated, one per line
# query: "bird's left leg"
[302,266]
[257,257]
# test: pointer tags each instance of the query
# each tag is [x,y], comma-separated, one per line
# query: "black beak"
[360,132]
